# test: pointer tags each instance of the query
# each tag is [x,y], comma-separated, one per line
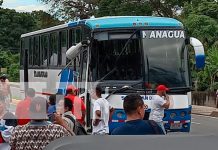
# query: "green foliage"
[12,25]
[44,20]
[72,9]
[11,62]
[123,8]
[206,78]
[203,27]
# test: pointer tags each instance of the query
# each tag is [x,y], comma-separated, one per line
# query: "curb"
[201,114]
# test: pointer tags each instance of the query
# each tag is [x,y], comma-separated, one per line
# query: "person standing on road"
[79,108]
[159,103]
[22,109]
[101,113]
[5,90]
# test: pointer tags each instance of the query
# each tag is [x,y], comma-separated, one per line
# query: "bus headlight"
[172,115]
[120,115]
[182,114]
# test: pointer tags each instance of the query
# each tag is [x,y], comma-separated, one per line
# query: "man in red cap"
[79,109]
[160,102]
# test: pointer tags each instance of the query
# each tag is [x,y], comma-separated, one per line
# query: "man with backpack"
[69,118]
[134,108]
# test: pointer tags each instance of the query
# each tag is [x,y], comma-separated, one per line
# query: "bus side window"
[36,52]
[78,35]
[83,74]
[62,48]
[31,49]
[44,50]
[22,53]
[53,55]
[24,46]
[72,37]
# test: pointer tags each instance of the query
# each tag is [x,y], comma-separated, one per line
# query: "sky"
[24,5]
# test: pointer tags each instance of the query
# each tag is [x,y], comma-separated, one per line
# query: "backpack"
[155,127]
[78,129]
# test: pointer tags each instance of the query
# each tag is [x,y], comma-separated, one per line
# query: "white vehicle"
[124,54]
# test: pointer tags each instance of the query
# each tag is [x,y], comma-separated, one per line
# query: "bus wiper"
[122,89]
[116,61]
[187,88]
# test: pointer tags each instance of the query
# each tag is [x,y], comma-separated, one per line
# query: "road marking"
[206,116]
[196,123]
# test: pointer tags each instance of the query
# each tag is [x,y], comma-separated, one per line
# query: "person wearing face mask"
[134,108]
[159,103]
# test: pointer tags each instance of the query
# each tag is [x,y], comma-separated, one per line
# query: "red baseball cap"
[162,88]
[71,88]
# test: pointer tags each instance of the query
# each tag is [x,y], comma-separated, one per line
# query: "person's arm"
[167,103]
[9,90]
[61,122]
[83,108]
[97,117]
[111,113]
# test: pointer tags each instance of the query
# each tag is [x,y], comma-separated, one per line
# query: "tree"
[206,78]
[203,27]
[44,20]
[12,25]
[123,8]
[72,9]
[1,1]
[11,62]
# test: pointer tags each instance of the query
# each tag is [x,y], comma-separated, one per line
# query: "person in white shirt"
[159,103]
[101,113]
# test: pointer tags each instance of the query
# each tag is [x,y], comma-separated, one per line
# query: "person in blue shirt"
[52,104]
[134,108]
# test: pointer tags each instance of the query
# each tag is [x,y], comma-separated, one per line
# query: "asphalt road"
[201,125]
[204,125]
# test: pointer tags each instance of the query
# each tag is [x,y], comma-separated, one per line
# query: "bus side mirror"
[74,50]
[199,52]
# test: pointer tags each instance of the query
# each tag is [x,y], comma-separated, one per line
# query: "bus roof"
[129,22]
[116,22]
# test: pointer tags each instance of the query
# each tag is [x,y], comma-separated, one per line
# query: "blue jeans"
[162,126]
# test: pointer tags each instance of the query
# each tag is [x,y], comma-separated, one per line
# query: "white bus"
[125,54]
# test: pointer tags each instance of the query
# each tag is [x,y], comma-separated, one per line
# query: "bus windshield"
[166,59]
[105,52]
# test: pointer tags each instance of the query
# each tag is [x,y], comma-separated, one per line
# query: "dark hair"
[69,91]
[52,99]
[38,114]
[132,102]
[98,90]
[3,76]
[31,92]
[68,104]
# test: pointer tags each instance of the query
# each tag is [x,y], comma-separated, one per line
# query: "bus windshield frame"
[145,63]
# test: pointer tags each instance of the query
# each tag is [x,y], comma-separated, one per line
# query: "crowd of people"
[38,121]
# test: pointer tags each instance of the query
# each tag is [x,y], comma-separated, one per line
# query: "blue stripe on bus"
[127,21]
[200,61]
[66,77]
